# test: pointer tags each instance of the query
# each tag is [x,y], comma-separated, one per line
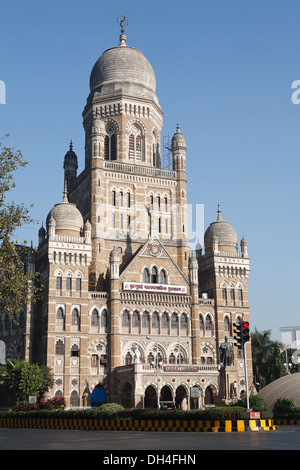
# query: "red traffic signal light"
[245,331]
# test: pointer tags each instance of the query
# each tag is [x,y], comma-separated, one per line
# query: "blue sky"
[224,70]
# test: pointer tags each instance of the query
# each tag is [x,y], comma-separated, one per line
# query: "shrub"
[285,408]
[109,410]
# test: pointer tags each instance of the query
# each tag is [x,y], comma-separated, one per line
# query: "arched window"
[60,314]
[164,321]
[110,144]
[95,318]
[145,320]
[163,277]
[146,275]
[75,317]
[74,399]
[59,283]
[104,318]
[135,143]
[128,359]
[171,359]
[125,318]
[59,347]
[154,275]
[75,350]
[150,358]
[174,320]
[135,319]
[226,324]
[183,321]
[208,323]
[155,320]
[201,322]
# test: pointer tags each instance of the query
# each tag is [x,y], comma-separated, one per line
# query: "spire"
[123,22]
[71,146]
[178,127]
[219,219]
[65,198]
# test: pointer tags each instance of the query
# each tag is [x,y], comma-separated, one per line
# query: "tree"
[25,379]
[262,349]
[14,281]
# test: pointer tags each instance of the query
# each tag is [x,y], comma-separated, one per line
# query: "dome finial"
[219,213]
[71,145]
[123,22]
[178,127]
[65,198]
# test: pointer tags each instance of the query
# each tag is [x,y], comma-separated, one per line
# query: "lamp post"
[158,364]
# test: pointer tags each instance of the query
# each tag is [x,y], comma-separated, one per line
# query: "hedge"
[222,413]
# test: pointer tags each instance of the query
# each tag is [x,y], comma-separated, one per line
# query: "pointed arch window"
[163,277]
[95,318]
[154,275]
[174,321]
[146,275]
[110,144]
[135,143]
[164,321]
[75,317]
[135,319]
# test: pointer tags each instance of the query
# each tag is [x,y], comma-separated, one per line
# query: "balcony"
[139,170]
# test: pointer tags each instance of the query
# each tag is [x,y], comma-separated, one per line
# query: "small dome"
[178,138]
[68,219]
[123,69]
[222,232]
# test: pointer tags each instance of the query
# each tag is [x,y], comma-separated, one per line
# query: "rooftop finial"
[71,145]
[123,22]
[219,213]
[178,127]
[65,198]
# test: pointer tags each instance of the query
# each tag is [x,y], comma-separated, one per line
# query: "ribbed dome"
[123,68]
[68,219]
[222,232]
[284,387]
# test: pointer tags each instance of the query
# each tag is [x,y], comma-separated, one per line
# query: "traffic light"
[238,333]
[245,331]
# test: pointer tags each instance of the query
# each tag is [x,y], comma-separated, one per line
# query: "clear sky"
[224,70]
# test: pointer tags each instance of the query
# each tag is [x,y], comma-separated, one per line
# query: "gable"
[154,255]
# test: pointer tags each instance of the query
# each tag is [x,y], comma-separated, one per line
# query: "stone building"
[128,310]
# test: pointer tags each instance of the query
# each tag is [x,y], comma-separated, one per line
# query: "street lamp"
[158,365]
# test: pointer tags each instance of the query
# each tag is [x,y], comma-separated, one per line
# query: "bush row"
[117,412]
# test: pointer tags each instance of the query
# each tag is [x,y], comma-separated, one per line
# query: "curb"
[159,425]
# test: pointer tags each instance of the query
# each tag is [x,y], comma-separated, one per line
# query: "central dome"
[126,69]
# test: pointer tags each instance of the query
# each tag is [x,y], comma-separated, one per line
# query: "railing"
[157,298]
[140,170]
[98,295]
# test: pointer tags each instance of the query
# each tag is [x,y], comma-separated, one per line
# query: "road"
[285,438]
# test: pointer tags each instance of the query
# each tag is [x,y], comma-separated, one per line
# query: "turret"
[179,150]
[70,166]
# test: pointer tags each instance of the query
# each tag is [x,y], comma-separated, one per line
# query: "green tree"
[275,364]
[262,349]
[14,281]
[24,379]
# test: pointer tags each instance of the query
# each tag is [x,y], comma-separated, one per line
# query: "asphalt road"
[140,444]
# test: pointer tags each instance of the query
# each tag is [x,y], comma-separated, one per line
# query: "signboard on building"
[183,368]
[159,288]
[290,337]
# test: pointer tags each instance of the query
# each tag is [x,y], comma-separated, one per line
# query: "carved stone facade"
[128,310]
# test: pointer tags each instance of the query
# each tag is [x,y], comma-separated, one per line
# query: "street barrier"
[156,425]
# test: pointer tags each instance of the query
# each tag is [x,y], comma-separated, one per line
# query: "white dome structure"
[284,387]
